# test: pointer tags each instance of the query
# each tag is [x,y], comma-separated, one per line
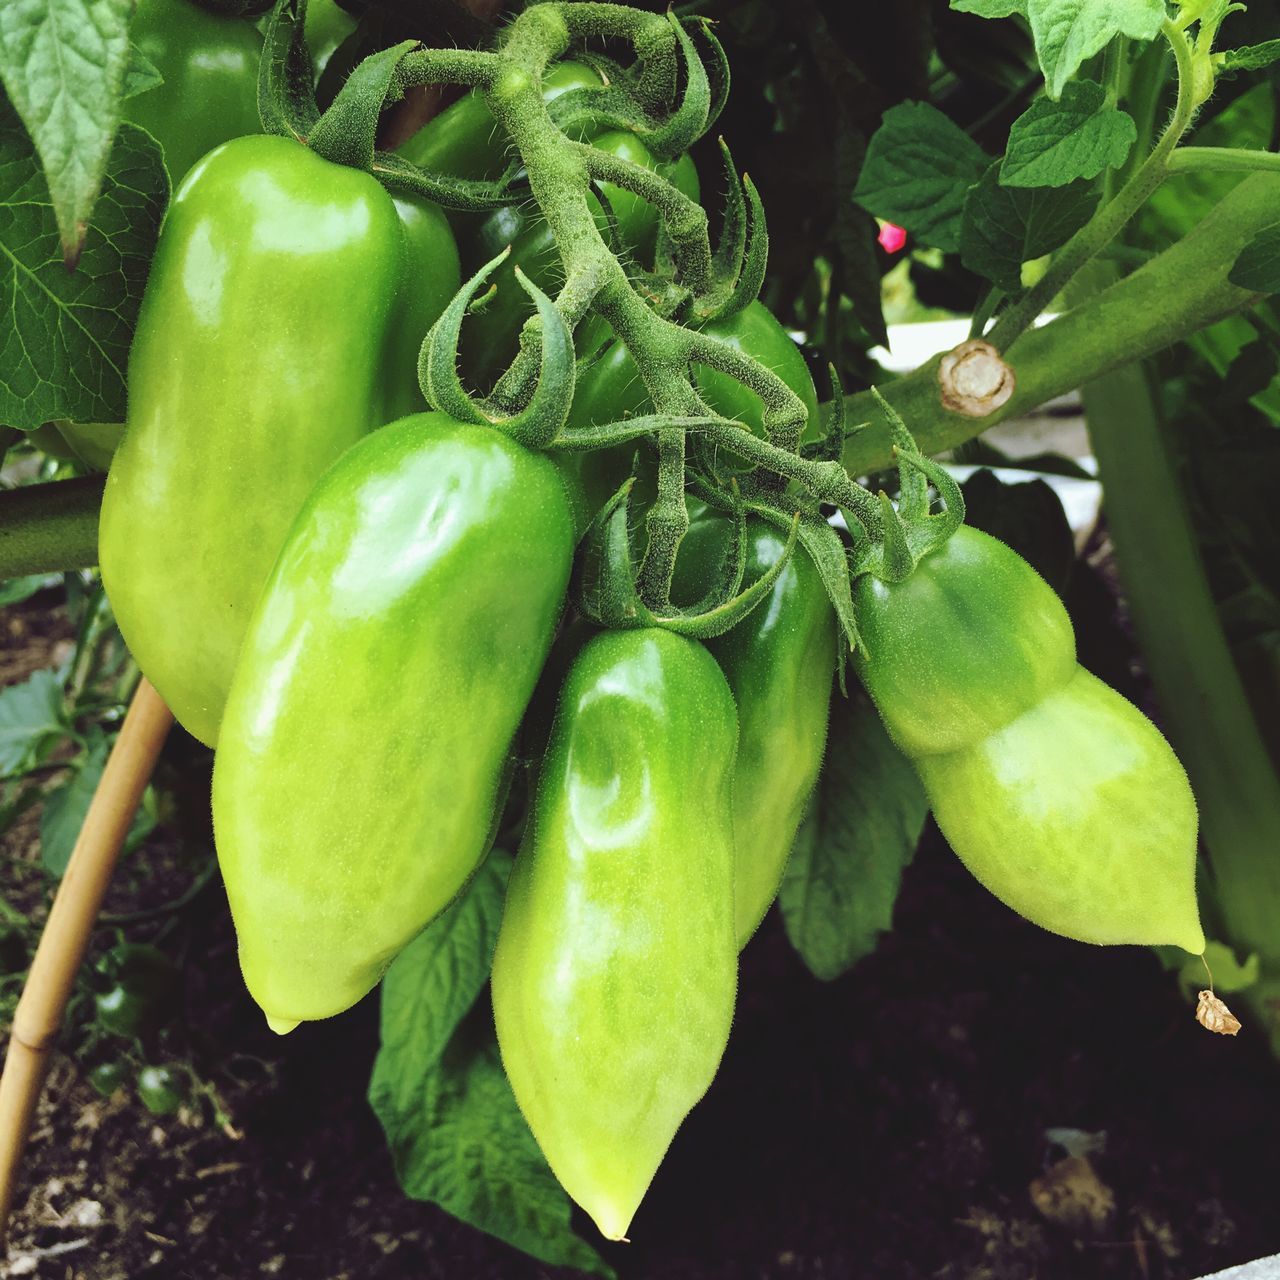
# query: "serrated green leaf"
[65,809]
[1253,57]
[1067,32]
[64,339]
[1003,227]
[1054,143]
[30,713]
[456,1135]
[1258,266]
[63,65]
[919,166]
[142,74]
[864,824]
[991,8]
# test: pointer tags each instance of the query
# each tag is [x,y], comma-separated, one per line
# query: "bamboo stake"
[66,933]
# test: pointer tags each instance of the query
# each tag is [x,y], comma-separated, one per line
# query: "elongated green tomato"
[279,325]
[1056,793]
[210,90]
[973,638]
[779,662]
[615,970]
[326,26]
[464,139]
[610,389]
[383,676]
[1078,816]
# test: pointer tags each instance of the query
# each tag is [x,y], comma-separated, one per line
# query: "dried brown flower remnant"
[1071,1194]
[1214,1016]
[974,380]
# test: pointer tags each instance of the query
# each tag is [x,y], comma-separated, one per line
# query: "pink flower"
[891,238]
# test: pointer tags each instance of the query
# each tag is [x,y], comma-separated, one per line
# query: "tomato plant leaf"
[1258,266]
[65,338]
[919,166]
[1067,32]
[862,828]
[991,8]
[1253,57]
[456,1135]
[1054,143]
[30,713]
[1003,227]
[63,65]
[66,807]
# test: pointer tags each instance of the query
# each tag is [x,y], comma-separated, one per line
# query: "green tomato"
[1078,816]
[383,676]
[279,325]
[326,26]
[93,444]
[162,1089]
[779,662]
[464,139]
[210,90]
[1059,796]
[107,1077]
[973,638]
[144,985]
[615,969]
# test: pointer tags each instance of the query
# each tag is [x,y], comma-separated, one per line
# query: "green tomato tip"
[281,1026]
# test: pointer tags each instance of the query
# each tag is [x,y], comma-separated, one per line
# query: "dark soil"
[895,1123]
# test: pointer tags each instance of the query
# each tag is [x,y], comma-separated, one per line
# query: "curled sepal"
[718,69]
[605,586]
[347,132]
[913,496]
[438,358]
[286,77]
[742,255]
[542,418]
[468,194]
[896,561]
[688,122]
[540,421]
[929,531]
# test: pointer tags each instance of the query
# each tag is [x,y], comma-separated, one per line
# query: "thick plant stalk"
[45,528]
[1202,699]
[1180,291]
[66,933]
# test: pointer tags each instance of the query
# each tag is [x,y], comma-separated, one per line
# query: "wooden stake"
[38,1017]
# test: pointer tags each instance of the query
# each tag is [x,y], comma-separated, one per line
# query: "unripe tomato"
[616,965]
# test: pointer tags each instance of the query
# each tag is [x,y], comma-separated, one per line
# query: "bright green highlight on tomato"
[779,662]
[384,674]
[280,324]
[210,69]
[1060,796]
[1076,812]
[616,965]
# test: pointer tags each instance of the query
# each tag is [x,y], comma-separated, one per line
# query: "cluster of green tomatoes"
[355,601]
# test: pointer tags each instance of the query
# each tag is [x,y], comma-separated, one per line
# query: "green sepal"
[718,73]
[286,75]
[688,122]
[895,561]
[347,132]
[538,423]
[605,587]
[438,358]
[470,195]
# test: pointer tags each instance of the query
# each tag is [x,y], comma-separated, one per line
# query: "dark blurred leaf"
[1028,516]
